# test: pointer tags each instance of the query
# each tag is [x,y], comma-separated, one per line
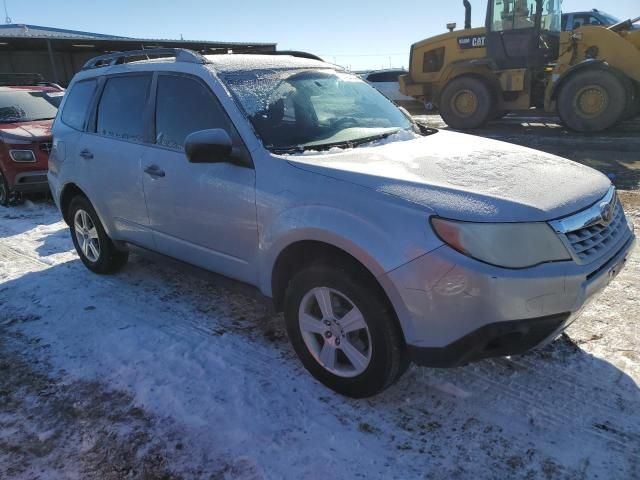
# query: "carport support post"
[53,62]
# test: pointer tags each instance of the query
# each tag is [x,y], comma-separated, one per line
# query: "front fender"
[559,80]
[376,245]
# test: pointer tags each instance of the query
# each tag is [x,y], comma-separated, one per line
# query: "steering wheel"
[344,122]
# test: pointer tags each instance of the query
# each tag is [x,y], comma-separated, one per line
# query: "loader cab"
[523,33]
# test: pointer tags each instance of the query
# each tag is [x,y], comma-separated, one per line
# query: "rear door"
[110,155]
[202,213]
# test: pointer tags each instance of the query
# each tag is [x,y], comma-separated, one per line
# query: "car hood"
[465,177]
[26,131]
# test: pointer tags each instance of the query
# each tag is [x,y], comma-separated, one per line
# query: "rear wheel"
[592,101]
[632,109]
[467,103]
[343,331]
[4,191]
[95,248]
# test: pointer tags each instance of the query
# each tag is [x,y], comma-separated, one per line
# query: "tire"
[467,103]
[5,194]
[632,109]
[97,251]
[380,343]
[498,115]
[592,101]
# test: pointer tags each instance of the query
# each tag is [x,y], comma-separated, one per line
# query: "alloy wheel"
[86,235]
[335,332]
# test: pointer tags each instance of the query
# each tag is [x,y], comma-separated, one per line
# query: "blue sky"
[354,33]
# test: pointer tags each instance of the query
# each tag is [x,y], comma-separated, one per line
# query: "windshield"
[27,106]
[314,109]
[609,19]
[521,14]
[552,15]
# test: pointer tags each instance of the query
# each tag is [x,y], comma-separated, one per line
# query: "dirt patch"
[53,427]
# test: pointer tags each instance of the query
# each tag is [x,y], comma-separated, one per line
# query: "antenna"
[7,18]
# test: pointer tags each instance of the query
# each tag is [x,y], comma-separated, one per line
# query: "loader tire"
[632,109]
[467,103]
[592,101]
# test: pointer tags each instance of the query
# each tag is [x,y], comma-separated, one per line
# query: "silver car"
[383,241]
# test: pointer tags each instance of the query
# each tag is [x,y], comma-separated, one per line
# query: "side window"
[391,76]
[511,15]
[121,108]
[433,60]
[77,104]
[594,20]
[184,106]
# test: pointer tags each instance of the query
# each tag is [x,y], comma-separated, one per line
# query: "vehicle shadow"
[559,412]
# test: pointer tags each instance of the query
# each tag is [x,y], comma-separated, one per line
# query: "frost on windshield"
[25,106]
[317,109]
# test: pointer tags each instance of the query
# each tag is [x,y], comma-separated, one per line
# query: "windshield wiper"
[290,149]
[23,120]
[349,143]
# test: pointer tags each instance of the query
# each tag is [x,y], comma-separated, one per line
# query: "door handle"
[154,171]
[86,154]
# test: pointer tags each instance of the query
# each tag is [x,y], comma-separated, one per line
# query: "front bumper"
[455,310]
[31,182]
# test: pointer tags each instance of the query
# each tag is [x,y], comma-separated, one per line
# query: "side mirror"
[208,146]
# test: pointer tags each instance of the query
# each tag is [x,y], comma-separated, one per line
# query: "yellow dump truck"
[521,60]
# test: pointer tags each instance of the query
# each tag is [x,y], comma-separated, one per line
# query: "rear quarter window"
[74,113]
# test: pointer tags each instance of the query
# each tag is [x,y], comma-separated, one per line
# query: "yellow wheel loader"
[521,60]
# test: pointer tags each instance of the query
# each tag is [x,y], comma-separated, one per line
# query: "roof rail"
[181,55]
[15,79]
[296,53]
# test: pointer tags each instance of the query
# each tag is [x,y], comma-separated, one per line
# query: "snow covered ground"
[165,371]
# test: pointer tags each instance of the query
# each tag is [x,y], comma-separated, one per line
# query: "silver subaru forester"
[383,241]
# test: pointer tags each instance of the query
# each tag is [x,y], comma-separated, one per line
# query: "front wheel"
[467,103]
[95,248]
[343,331]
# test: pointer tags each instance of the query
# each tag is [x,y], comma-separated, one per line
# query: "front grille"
[46,147]
[593,242]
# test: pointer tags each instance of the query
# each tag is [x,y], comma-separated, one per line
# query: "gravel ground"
[166,371]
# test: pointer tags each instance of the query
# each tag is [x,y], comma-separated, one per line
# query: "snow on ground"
[165,371]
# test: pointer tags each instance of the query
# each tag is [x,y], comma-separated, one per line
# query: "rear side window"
[77,104]
[121,109]
[184,106]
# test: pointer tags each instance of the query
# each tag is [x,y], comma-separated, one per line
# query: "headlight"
[22,155]
[509,245]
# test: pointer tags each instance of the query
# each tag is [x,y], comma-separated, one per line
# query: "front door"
[202,213]
[523,33]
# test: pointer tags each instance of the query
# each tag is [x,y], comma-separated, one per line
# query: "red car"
[26,116]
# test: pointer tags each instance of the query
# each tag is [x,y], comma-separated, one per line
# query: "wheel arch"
[581,67]
[301,253]
[470,69]
[68,193]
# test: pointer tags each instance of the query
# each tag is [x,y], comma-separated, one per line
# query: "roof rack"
[180,54]
[296,53]
[16,79]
